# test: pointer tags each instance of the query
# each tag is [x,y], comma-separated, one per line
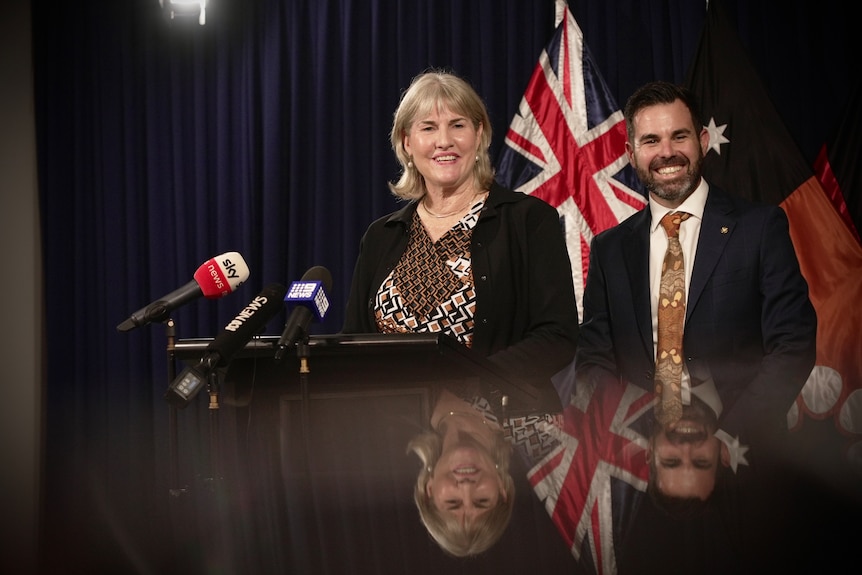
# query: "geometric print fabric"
[431,288]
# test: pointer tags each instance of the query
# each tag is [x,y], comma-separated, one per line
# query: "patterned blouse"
[531,436]
[431,289]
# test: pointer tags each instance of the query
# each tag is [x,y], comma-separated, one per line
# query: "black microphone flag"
[238,332]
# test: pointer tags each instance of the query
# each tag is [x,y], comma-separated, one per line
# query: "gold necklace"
[450,214]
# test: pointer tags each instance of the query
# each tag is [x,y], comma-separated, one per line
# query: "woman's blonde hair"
[453,537]
[438,88]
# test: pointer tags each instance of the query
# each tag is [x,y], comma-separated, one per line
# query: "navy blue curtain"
[265,131]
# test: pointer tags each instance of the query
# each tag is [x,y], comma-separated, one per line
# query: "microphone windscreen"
[248,322]
[311,291]
[221,275]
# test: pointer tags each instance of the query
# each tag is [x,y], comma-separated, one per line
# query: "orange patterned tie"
[671,318]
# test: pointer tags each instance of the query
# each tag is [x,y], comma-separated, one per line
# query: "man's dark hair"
[660,92]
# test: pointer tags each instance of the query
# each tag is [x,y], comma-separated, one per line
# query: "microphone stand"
[215,457]
[183,517]
[302,352]
[173,442]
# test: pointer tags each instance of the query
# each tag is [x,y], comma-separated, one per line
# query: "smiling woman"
[485,265]
[464,256]
[464,491]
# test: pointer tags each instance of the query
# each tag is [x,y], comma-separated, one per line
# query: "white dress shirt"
[689,232]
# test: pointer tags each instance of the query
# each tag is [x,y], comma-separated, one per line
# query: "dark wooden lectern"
[311,452]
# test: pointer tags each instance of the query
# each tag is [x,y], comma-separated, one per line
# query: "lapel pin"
[724,229]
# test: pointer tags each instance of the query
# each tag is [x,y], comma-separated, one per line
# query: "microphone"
[233,337]
[215,278]
[309,300]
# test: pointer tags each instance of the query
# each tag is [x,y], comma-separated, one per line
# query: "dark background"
[160,145]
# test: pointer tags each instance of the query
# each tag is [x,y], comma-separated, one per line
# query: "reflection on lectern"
[687,460]
[464,491]
[314,462]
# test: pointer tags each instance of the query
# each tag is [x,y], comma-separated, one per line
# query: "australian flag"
[566,145]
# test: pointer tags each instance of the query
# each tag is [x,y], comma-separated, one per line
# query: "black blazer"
[749,322]
[526,317]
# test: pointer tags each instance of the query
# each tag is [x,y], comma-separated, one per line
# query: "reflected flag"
[593,481]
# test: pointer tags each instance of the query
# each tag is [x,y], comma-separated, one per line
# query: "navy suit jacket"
[749,322]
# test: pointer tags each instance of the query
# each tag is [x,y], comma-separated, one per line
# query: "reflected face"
[465,483]
[685,459]
[666,152]
[686,462]
[444,145]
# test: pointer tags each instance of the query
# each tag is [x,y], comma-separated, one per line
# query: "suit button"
[484,278]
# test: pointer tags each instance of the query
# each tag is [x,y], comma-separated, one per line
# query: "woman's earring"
[477,158]
[410,163]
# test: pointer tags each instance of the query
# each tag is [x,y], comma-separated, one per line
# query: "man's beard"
[680,188]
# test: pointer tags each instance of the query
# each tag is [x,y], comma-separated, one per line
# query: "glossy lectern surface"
[312,454]
[364,362]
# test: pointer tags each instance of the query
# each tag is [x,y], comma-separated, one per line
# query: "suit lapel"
[715,231]
[636,256]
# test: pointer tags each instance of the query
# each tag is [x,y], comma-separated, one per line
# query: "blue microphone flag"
[311,294]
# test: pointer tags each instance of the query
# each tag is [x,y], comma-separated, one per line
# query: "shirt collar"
[693,204]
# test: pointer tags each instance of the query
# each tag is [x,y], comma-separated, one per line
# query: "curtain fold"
[163,144]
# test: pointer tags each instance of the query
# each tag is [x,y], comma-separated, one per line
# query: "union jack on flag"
[592,482]
[566,145]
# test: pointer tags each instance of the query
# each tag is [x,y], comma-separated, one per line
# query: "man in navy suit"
[749,328]
[748,339]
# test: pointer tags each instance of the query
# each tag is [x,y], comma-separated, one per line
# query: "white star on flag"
[716,136]
[737,450]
